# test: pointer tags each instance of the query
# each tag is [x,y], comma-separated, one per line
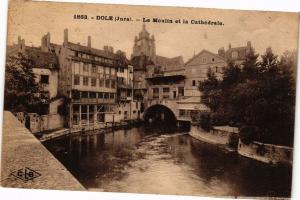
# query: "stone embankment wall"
[229,137]
[215,136]
[267,153]
[22,153]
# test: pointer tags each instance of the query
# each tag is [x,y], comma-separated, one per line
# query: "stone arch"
[159,112]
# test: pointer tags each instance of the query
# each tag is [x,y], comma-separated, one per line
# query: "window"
[113,71]
[76,80]
[113,83]
[94,82]
[107,70]
[91,114]
[181,91]
[100,70]
[75,114]
[94,69]
[107,83]
[234,55]
[93,95]
[155,93]
[213,59]
[84,114]
[106,95]
[44,79]
[85,67]
[100,95]
[166,90]
[193,83]
[101,82]
[86,81]
[181,113]
[76,94]
[84,95]
[217,69]
[112,95]
[166,93]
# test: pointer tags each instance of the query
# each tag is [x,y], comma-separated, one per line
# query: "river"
[138,161]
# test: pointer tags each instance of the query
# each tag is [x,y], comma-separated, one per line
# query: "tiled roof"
[93,51]
[170,64]
[42,59]
[201,52]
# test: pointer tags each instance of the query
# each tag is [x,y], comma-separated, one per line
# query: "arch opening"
[160,118]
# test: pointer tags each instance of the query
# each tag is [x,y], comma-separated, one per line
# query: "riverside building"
[87,80]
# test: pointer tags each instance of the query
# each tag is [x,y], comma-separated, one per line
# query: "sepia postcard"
[149,99]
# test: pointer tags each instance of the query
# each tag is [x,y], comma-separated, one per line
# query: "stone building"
[144,59]
[45,69]
[128,109]
[88,78]
[196,70]
[235,54]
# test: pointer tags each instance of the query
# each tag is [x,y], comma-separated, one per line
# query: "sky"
[31,20]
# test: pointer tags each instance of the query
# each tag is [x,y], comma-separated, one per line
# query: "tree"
[258,97]
[21,90]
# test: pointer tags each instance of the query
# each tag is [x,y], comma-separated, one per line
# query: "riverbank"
[86,130]
[26,163]
[228,138]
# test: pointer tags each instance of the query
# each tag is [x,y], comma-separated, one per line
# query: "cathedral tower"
[144,45]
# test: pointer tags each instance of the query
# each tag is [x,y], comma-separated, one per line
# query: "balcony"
[93,101]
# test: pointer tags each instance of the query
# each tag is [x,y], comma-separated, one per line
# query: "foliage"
[258,96]
[205,121]
[21,90]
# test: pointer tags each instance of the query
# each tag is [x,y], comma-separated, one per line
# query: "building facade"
[196,70]
[88,79]
[236,55]
[45,69]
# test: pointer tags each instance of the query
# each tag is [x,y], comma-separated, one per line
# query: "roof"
[42,59]
[85,49]
[204,51]
[242,52]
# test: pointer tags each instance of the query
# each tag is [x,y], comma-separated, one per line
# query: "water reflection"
[140,161]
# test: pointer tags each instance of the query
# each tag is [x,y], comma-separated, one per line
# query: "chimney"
[48,39]
[249,44]
[66,35]
[22,45]
[89,42]
[19,39]
[45,42]
[229,46]
[221,52]
[108,49]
